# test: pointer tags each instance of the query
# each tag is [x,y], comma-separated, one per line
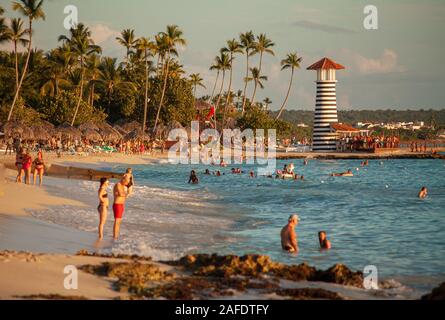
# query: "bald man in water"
[288,234]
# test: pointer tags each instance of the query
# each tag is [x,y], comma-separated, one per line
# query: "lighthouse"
[323,137]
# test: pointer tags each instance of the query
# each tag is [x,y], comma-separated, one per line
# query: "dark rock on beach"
[258,265]
[437,293]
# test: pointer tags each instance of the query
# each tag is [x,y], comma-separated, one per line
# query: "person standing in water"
[129,174]
[103,205]
[288,234]
[423,193]
[324,242]
[120,193]
[39,168]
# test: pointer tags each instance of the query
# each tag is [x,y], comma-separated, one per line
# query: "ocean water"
[373,218]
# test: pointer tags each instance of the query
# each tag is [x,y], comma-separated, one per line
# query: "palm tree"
[92,64]
[146,47]
[256,77]
[82,46]
[262,45]
[168,41]
[17,33]
[232,48]
[239,95]
[196,80]
[214,66]
[128,40]
[5,32]
[34,11]
[223,63]
[110,79]
[247,40]
[56,70]
[267,102]
[291,61]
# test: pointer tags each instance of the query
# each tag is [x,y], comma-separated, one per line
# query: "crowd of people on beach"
[357,143]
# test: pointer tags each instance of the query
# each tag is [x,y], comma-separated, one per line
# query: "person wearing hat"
[288,234]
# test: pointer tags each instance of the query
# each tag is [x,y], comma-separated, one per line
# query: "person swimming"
[207,172]
[324,242]
[343,174]
[288,234]
[252,174]
[423,193]
[193,177]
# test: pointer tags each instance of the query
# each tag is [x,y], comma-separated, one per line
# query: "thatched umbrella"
[130,126]
[27,133]
[136,134]
[88,125]
[13,128]
[69,131]
[108,132]
[41,133]
[91,135]
[119,129]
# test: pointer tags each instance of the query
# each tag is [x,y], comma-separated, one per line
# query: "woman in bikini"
[39,167]
[27,162]
[103,205]
[19,165]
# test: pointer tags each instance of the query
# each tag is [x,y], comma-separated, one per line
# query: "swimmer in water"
[207,172]
[324,242]
[193,177]
[288,234]
[423,193]
[304,162]
[252,174]
[343,174]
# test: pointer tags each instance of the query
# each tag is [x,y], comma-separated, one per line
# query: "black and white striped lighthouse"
[324,138]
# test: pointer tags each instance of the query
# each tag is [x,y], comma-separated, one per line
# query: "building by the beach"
[324,138]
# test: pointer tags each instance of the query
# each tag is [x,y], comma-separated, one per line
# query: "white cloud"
[102,33]
[388,62]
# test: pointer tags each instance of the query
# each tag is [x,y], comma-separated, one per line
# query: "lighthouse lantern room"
[323,138]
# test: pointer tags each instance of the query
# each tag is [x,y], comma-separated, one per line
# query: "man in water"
[423,193]
[120,193]
[288,234]
[129,175]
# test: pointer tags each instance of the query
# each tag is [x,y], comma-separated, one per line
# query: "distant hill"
[354,116]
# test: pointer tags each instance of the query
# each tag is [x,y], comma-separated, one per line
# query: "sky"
[398,66]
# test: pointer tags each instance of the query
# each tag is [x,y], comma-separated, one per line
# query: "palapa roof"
[343,127]
[325,63]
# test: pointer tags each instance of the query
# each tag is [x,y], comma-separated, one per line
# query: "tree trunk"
[256,81]
[219,96]
[16,65]
[92,95]
[80,93]
[214,87]
[228,92]
[245,82]
[287,95]
[163,93]
[24,71]
[145,97]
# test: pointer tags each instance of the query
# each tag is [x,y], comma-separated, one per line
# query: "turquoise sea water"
[373,218]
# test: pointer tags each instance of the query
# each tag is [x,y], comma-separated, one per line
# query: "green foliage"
[60,109]
[178,101]
[256,118]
